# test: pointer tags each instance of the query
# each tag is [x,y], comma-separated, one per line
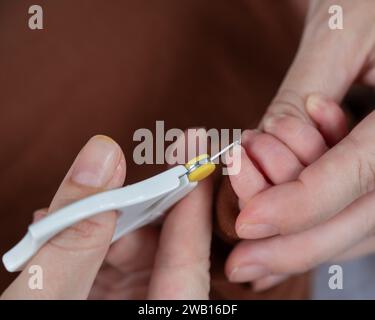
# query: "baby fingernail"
[96,162]
[270,121]
[256,231]
[247,273]
[245,136]
[317,102]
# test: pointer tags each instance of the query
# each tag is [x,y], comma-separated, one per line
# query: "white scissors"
[138,205]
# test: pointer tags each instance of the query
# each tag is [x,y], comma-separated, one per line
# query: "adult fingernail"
[268,282]
[247,273]
[96,162]
[256,231]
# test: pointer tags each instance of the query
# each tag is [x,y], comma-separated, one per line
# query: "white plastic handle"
[137,204]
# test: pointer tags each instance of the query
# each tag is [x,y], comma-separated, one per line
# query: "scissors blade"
[237,142]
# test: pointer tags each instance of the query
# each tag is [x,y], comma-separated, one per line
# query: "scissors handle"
[137,204]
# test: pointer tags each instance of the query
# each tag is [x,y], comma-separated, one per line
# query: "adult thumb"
[325,63]
[305,107]
[70,261]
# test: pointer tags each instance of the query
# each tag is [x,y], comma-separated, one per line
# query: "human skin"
[306,187]
[89,82]
[149,263]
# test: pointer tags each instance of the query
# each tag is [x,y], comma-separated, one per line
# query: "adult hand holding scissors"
[153,262]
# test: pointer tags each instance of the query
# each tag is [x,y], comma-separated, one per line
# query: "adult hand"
[316,217]
[159,263]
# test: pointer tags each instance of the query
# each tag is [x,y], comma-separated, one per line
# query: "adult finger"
[181,269]
[71,260]
[300,252]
